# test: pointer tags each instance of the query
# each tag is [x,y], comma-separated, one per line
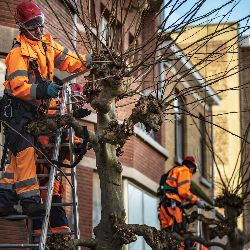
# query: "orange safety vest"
[179,179]
[21,80]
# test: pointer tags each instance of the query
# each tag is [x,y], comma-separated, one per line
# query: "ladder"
[66,101]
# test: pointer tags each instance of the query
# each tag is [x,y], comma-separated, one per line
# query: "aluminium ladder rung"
[51,145]
[63,204]
[6,246]
[50,233]
[60,174]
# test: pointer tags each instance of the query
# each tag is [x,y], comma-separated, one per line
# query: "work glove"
[53,90]
[45,89]
[201,204]
[186,205]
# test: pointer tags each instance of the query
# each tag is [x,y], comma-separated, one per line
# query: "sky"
[241,10]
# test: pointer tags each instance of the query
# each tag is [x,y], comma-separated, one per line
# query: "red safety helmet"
[190,159]
[29,13]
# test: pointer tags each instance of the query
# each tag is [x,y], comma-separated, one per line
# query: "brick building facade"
[144,155]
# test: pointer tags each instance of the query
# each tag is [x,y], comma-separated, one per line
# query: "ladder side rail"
[29,246]
[73,170]
[53,174]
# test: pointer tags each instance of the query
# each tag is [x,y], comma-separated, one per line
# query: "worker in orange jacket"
[176,188]
[29,83]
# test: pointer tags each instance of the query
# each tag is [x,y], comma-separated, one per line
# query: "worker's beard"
[37,36]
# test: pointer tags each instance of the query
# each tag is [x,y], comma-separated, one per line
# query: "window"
[133,44]
[142,209]
[202,148]
[106,31]
[97,207]
[179,129]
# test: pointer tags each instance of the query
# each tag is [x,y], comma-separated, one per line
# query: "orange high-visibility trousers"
[169,216]
[21,174]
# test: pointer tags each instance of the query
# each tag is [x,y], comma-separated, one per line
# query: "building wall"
[225,57]
[245,120]
[191,133]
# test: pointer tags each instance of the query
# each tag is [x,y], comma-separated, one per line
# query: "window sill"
[205,182]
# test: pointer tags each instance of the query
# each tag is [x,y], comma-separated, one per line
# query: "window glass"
[142,209]
[135,215]
[150,210]
[135,201]
[97,208]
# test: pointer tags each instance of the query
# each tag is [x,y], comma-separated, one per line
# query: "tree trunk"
[109,170]
[235,238]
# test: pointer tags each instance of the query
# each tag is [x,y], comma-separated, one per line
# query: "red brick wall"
[12,232]
[85,187]
[7,12]
[147,160]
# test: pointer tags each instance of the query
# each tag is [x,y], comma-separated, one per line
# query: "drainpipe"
[161,79]
[212,145]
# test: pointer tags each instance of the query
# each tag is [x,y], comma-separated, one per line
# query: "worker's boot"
[32,206]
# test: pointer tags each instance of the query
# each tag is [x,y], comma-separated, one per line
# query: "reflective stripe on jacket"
[180,178]
[21,81]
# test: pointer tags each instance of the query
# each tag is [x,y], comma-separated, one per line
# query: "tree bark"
[109,170]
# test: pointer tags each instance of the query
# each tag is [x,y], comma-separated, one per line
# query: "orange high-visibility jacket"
[180,178]
[21,80]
